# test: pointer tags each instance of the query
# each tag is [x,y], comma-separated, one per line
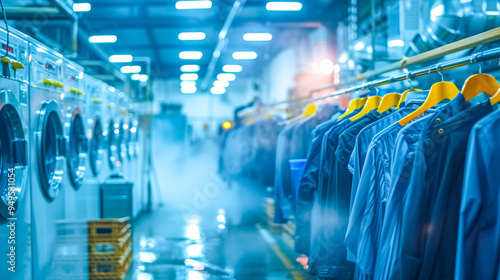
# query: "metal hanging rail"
[439,67]
[464,44]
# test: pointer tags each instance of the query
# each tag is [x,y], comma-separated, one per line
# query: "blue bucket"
[297,168]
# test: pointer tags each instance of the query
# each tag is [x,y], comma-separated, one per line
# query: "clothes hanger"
[372,103]
[405,93]
[439,92]
[479,83]
[308,111]
[389,100]
[354,105]
[495,99]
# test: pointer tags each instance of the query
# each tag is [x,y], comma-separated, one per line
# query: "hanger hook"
[408,78]
[437,70]
[473,59]
[390,82]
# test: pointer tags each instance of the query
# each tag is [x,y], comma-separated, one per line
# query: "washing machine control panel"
[72,76]
[45,68]
[13,56]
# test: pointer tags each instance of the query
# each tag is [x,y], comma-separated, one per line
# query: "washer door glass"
[13,160]
[77,154]
[50,150]
[112,147]
[96,147]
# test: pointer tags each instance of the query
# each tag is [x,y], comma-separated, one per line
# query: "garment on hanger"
[478,256]
[436,182]
[335,214]
[309,182]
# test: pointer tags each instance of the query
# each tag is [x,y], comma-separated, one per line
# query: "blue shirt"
[478,256]
[429,235]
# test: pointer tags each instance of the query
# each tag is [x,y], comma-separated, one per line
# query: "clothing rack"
[436,68]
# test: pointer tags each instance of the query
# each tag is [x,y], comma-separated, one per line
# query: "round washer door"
[13,158]
[77,150]
[96,147]
[50,149]
[113,152]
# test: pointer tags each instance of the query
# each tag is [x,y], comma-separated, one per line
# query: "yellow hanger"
[495,98]
[479,83]
[439,92]
[354,105]
[372,104]
[403,97]
[310,110]
[388,101]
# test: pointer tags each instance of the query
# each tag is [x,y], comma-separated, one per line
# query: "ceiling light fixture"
[244,55]
[284,6]
[189,77]
[190,68]
[139,77]
[188,84]
[395,43]
[188,90]
[81,7]
[192,36]
[218,90]
[190,55]
[223,84]
[232,68]
[131,69]
[226,77]
[187,5]
[121,58]
[262,37]
[102,39]
[326,66]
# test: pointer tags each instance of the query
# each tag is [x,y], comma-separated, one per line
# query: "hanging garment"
[429,234]
[478,256]
[336,211]
[392,187]
[309,182]
[314,196]
[365,220]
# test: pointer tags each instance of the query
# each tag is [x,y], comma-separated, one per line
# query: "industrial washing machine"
[47,155]
[115,132]
[134,170]
[15,203]
[74,123]
[96,133]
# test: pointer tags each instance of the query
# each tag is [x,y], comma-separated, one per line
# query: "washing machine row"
[62,133]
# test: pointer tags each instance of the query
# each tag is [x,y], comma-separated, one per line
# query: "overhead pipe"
[235,11]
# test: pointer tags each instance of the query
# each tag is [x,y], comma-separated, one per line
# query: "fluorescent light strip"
[232,68]
[131,69]
[188,90]
[102,39]
[81,7]
[121,58]
[226,77]
[218,90]
[395,43]
[284,6]
[190,68]
[189,77]
[139,77]
[256,37]
[192,36]
[188,84]
[244,55]
[223,84]
[187,5]
[190,55]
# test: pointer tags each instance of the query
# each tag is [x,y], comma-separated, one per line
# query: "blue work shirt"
[308,183]
[318,243]
[336,211]
[429,234]
[478,256]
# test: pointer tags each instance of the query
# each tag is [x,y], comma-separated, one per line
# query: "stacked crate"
[110,248]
